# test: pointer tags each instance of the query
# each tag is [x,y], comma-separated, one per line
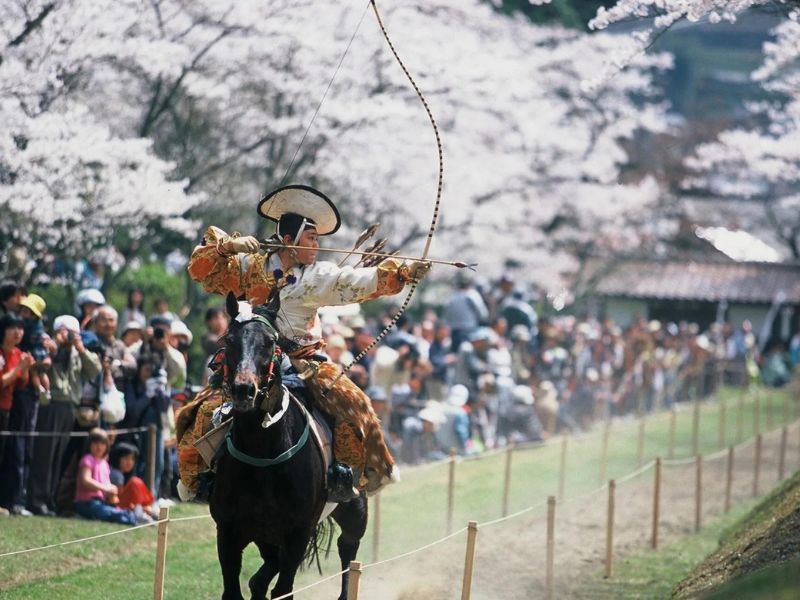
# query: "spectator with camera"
[159,349]
[147,401]
[86,304]
[72,365]
[121,361]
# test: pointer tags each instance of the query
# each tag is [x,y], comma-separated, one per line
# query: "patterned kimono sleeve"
[335,286]
[216,273]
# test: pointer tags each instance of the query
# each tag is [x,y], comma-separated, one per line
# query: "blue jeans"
[97,510]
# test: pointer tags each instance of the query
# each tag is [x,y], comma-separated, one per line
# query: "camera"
[159,334]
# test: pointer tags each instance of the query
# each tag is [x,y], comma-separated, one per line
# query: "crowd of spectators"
[481,372]
[93,373]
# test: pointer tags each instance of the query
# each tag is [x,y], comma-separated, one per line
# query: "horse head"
[253,357]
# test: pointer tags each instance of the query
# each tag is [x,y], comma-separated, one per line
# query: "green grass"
[413,513]
[654,574]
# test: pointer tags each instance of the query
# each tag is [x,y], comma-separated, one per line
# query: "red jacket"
[7,363]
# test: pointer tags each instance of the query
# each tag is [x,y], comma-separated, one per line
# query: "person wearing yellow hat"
[225,264]
[34,341]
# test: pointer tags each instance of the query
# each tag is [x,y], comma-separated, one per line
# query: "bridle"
[262,390]
[265,378]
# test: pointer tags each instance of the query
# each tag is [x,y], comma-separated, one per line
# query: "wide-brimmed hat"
[35,303]
[180,328]
[301,200]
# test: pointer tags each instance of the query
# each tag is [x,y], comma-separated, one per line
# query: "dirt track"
[510,558]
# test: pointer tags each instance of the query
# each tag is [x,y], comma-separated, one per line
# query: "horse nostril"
[244,390]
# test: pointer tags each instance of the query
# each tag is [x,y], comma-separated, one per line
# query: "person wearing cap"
[87,302]
[31,309]
[225,264]
[132,333]
[72,365]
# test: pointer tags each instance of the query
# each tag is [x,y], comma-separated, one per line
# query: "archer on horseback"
[231,263]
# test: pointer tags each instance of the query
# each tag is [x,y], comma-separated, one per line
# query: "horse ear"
[232,305]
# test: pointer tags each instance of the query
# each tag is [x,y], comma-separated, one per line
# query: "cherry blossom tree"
[125,115]
[763,160]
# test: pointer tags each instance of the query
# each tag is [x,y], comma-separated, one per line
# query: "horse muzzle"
[243,394]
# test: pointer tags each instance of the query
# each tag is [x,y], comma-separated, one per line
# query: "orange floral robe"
[358,438]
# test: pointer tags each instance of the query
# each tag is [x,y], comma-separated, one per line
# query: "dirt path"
[510,558]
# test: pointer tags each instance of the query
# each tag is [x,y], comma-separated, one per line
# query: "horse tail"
[322,538]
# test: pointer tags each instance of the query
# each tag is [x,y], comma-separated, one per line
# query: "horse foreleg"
[259,582]
[229,552]
[291,556]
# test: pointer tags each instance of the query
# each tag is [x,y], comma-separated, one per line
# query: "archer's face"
[309,238]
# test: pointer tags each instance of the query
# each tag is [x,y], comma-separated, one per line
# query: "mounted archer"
[232,264]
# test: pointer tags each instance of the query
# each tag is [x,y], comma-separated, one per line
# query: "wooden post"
[782,455]
[151,458]
[376,527]
[161,554]
[770,420]
[469,560]
[507,479]
[656,502]
[562,475]
[451,484]
[723,422]
[729,480]
[757,414]
[604,451]
[640,444]
[696,427]
[757,465]
[698,493]
[740,417]
[673,417]
[610,530]
[551,542]
[354,580]
[786,408]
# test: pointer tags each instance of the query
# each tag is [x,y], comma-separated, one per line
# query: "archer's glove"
[246,244]
[415,270]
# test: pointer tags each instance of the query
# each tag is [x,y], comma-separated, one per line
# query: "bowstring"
[435,217]
[324,95]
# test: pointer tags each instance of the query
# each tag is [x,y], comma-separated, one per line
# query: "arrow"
[459,265]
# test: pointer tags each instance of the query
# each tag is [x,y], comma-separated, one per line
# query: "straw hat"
[304,201]
[35,303]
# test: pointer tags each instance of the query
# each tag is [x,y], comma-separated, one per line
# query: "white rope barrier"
[415,551]
[195,518]
[311,585]
[636,473]
[87,539]
[513,515]
[6,433]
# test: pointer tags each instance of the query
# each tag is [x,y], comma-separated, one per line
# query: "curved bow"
[435,217]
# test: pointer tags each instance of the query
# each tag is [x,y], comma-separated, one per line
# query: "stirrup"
[340,483]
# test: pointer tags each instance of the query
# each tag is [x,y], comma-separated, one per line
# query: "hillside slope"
[769,536]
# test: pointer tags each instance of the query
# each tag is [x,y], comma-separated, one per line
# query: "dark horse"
[270,483]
